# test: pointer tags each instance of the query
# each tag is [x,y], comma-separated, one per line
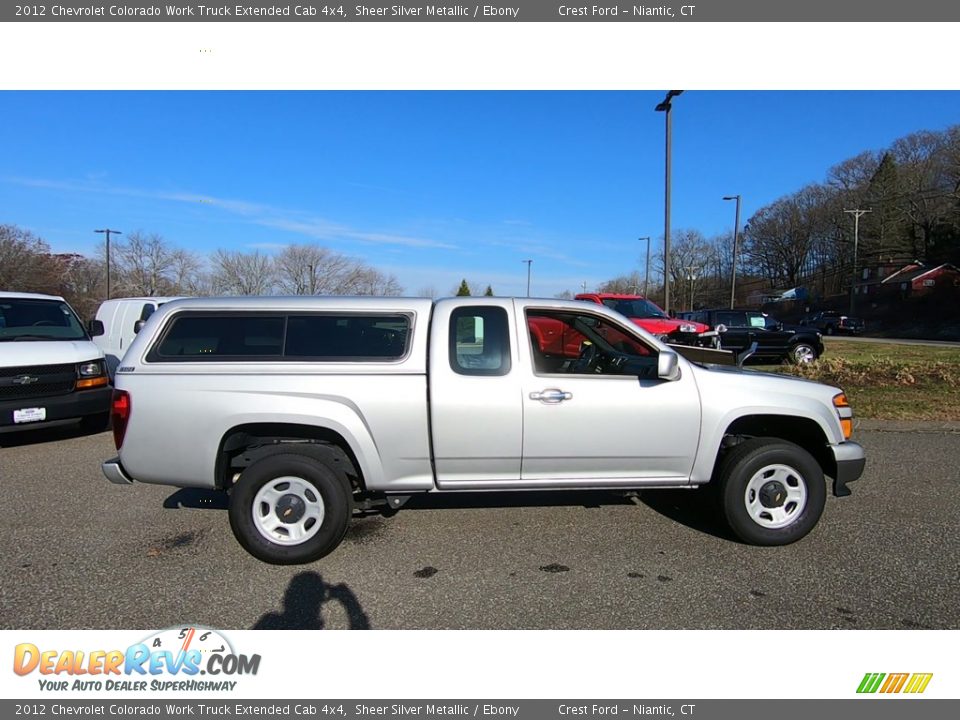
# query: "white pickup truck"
[306,408]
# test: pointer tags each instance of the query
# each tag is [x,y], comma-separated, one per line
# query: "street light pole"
[856,241]
[691,278]
[736,242]
[108,231]
[665,108]
[529,263]
[646,268]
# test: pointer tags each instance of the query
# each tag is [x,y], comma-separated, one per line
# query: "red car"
[650,317]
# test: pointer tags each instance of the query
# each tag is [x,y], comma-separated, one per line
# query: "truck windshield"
[636,308]
[27,319]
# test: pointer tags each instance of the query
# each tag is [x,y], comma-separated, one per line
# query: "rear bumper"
[849,461]
[75,405]
[115,473]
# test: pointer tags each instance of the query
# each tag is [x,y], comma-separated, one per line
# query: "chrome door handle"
[551,396]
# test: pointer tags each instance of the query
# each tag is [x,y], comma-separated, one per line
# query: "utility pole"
[646,268]
[736,243]
[856,241]
[529,263]
[108,232]
[584,286]
[665,108]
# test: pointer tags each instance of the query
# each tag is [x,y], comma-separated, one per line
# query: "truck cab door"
[474,394]
[601,416]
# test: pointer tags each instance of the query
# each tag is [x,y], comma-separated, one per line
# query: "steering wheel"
[587,362]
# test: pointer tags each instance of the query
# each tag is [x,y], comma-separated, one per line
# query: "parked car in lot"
[307,408]
[830,322]
[50,371]
[647,314]
[776,342]
[117,323]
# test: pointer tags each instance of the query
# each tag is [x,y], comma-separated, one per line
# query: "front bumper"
[849,461]
[115,473]
[77,404]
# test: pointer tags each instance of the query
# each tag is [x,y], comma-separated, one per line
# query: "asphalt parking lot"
[79,552]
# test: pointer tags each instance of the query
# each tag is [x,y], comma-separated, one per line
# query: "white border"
[355,55]
[629,664]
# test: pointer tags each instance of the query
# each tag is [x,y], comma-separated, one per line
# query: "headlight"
[91,369]
[688,328]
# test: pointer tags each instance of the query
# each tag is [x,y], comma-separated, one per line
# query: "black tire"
[95,423]
[740,469]
[802,350]
[322,480]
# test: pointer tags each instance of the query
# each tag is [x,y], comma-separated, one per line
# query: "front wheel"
[288,509]
[772,492]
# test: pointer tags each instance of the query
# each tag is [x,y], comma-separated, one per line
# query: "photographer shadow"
[303,603]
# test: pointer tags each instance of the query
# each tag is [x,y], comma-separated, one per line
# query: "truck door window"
[479,341]
[583,344]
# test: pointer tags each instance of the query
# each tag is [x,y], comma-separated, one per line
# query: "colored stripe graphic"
[918,682]
[870,683]
[894,683]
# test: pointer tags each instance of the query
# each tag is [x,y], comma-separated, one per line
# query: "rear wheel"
[290,508]
[803,353]
[772,492]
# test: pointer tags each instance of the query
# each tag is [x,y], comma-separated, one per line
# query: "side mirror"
[668,365]
[138,326]
[95,328]
[721,328]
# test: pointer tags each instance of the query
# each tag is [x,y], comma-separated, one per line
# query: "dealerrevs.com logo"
[911,683]
[172,660]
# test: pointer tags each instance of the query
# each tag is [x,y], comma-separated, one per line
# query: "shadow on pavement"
[306,595]
[695,509]
[50,433]
[197,499]
[524,498]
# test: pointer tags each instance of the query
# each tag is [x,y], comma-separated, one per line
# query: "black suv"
[776,342]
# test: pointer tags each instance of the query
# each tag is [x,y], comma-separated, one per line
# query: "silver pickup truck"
[307,408]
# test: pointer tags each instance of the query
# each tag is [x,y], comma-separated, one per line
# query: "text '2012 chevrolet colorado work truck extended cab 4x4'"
[306,408]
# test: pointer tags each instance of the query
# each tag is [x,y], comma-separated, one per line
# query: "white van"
[119,319]
[50,371]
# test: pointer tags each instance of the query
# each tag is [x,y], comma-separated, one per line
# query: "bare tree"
[237,273]
[316,270]
[188,275]
[623,284]
[141,264]
[25,262]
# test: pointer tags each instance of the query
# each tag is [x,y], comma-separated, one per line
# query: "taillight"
[120,414]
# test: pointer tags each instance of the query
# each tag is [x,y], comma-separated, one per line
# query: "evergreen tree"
[489,292]
[464,289]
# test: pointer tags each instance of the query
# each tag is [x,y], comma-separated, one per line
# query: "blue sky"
[430,186]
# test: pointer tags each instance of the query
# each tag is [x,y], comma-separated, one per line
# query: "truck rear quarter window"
[479,341]
[279,336]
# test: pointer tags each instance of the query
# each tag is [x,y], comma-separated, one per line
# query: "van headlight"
[92,375]
[91,369]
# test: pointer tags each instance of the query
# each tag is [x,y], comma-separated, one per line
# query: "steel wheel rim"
[803,354]
[288,510]
[792,504]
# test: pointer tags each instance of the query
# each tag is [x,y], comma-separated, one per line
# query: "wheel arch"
[805,432]
[244,443]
